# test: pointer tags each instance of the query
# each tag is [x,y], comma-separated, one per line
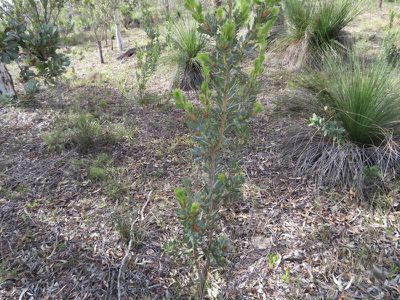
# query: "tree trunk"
[380,3]
[6,82]
[118,36]
[100,52]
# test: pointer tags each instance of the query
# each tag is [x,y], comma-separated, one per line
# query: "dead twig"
[126,256]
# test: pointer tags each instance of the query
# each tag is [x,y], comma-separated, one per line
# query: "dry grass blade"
[129,248]
[331,164]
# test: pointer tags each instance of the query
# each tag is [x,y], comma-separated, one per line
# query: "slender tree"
[219,123]
[98,15]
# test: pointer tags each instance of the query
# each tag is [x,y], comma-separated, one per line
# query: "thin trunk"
[6,82]
[100,52]
[118,36]
[166,3]
[380,3]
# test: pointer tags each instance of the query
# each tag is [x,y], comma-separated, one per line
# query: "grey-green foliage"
[219,123]
[147,56]
[38,39]
[31,86]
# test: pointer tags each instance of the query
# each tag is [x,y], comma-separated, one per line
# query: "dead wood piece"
[127,53]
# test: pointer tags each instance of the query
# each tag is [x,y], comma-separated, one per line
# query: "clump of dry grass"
[349,165]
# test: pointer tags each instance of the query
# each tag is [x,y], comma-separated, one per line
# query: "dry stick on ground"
[128,250]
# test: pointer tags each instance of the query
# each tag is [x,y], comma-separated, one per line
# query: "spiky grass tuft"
[314,26]
[363,99]
[364,96]
[188,42]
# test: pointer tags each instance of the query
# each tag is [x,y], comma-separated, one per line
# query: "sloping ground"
[58,233]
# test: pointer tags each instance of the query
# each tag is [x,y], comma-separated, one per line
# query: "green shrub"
[187,43]
[391,42]
[220,122]
[391,48]
[31,86]
[315,26]
[85,132]
[97,173]
[148,55]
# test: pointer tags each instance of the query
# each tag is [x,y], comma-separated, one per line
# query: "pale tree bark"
[6,82]
[118,36]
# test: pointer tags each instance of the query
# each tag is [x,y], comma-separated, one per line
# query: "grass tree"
[360,128]
[313,27]
[187,43]
[219,123]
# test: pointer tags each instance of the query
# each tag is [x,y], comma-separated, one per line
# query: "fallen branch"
[128,53]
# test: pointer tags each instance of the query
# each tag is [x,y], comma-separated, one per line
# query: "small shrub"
[97,173]
[220,122]
[128,229]
[188,42]
[148,55]
[85,132]
[372,173]
[313,27]
[102,159]
[116,186]
[391,42]
[31,86]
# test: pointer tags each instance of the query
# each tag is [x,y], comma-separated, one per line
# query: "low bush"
[84,132]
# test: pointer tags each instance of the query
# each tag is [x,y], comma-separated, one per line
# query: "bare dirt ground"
[291,240]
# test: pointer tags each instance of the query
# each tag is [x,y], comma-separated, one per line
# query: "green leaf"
[181,196]
[181,101]
[195,209]
[227,31]
[257,107]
